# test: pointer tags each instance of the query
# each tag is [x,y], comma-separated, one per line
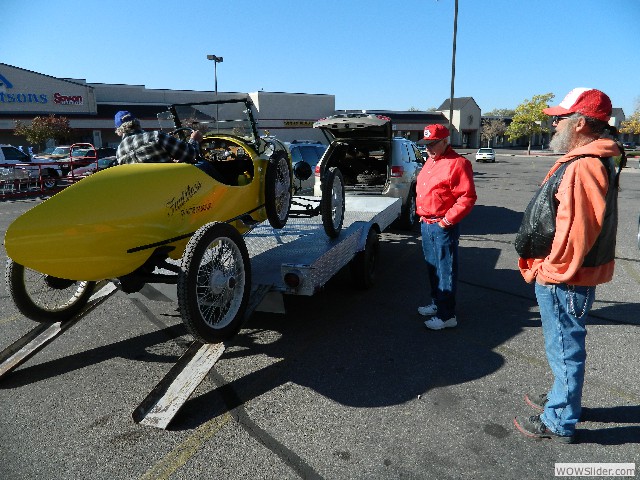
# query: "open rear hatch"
[360,148]
[356,125]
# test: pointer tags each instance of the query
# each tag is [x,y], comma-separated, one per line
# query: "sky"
[370,54]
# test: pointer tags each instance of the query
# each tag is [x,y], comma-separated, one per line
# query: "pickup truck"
[17,165]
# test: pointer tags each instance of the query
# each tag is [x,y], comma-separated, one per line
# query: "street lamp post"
[453,64]
[216,61]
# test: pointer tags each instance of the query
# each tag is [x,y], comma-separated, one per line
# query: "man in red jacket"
[445,195]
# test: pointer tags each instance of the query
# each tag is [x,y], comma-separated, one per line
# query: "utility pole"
[453,64]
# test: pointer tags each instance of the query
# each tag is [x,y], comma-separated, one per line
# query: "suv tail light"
[317,170]
[397,171]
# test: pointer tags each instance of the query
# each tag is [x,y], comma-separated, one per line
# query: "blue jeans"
[440,249]
[563,310]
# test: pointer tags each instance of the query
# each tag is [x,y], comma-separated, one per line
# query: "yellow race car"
[128,222]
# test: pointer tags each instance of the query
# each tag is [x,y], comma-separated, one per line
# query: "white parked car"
[486,155]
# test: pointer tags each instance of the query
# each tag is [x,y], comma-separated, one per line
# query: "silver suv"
[371,160]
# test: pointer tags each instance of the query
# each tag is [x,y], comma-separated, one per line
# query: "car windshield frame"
[230,117]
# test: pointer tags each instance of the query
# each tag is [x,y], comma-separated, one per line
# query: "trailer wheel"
[277,190]
[44,298]
[49,179]
[332,202]
[214,283]
[363,265]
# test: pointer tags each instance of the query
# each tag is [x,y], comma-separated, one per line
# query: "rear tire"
[363,265]
[332,202]
[214,283]
[44,298]
[408,215]
[277,190]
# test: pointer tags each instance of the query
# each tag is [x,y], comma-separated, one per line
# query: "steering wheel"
[179,133]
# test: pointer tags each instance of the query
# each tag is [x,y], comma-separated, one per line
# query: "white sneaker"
[436,323]
[428,310]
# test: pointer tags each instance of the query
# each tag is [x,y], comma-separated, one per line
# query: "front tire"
[332,202]
[44,298]
[277,190]
[214,283]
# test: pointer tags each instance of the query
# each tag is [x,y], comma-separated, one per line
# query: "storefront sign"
[30,97]
[67,99]
[23,98]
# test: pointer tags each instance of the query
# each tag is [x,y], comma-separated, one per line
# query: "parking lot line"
[187,449]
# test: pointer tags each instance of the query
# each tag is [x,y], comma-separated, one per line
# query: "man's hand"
[541,281]
[196,135]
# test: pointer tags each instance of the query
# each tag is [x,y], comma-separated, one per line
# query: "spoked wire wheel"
[44,298]
[278,190]
[214,283]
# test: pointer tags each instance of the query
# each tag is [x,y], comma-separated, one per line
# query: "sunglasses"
[433,144]
[558,118]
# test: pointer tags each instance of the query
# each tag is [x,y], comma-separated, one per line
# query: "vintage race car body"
[125,223]
[110,223]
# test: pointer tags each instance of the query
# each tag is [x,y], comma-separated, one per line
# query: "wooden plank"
[44,333]
[168,397]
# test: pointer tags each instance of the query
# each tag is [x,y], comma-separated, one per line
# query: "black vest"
[604,250]
[537,230]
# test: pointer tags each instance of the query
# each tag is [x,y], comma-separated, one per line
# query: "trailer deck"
[302,245]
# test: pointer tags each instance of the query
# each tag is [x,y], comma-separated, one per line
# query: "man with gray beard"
[580,255]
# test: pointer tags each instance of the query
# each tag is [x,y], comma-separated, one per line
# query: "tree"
[500,112]
[44,128]
[492,128]
[632,125]
[528,119]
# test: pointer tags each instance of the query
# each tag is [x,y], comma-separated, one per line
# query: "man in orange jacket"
[445,194]
[581,257]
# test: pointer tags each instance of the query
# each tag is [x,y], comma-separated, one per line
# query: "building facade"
[90,108]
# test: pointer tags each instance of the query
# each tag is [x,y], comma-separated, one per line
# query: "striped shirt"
[156,147]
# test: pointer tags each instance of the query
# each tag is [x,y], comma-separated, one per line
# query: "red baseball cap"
[435,132]
[587,101]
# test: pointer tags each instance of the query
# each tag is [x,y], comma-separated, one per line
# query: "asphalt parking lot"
[347,384]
